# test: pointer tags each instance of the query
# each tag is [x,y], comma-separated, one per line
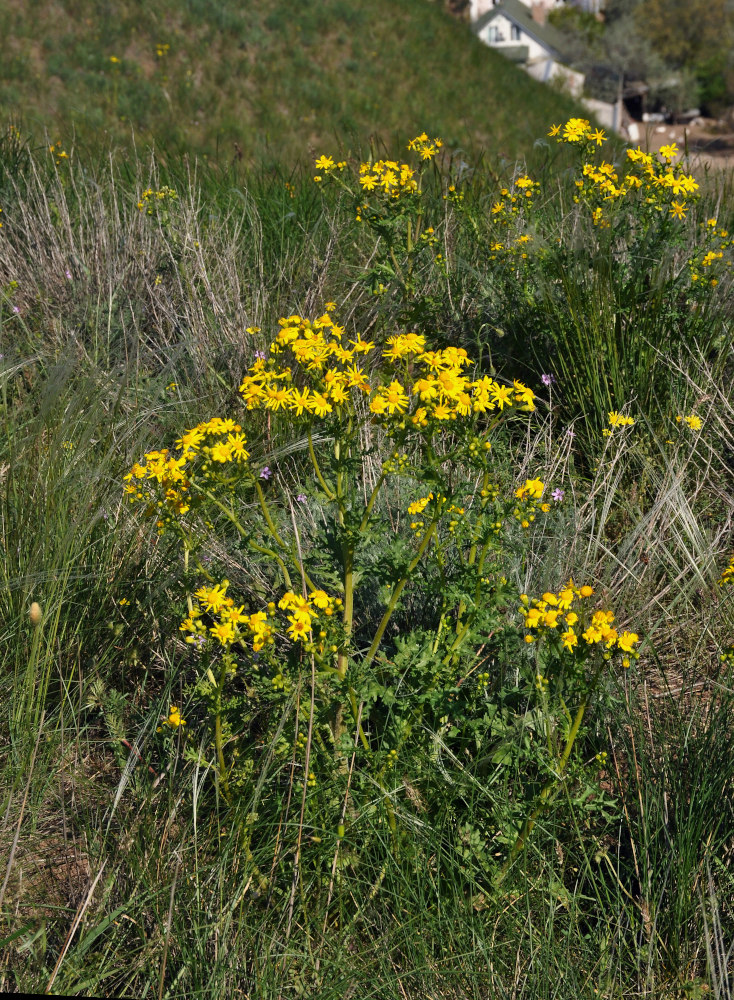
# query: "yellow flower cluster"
[553,614]
[692,420]
[328,361]
[389,177]
[715,251]
[325,164]
[617,420]
[576,131]
[418,507]
[56,150]
[530,495]
[425,147]
[728,575]
[216,441]
[661,182]
[532,488]
[150,197]
[303,610]
[174,719]
[231,623]
[324,356]
[510,202]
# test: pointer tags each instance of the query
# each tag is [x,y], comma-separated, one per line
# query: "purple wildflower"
[558,494]
[548,379]
[301,498]
[259,355]
[16,309]
[265,473]
[68,274]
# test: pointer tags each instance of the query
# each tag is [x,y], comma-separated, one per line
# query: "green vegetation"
[264,81]
[681,50]
[430,780]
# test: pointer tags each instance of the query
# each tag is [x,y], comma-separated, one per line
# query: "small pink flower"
[265,473]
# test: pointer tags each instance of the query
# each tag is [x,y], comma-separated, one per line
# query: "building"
[522,33]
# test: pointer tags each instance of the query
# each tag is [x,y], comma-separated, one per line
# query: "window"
[494,35]
[515,33]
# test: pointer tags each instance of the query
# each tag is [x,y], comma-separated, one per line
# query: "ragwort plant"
[597,282]
[361,639]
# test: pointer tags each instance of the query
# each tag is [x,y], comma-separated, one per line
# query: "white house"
[521,33]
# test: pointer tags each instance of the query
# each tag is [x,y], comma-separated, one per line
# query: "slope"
[261,80]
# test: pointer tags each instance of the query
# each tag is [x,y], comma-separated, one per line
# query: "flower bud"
[34,613]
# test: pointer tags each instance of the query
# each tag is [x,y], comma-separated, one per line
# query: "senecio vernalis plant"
[388,571]
[433,420]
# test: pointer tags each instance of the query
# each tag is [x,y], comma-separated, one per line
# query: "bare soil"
[709,141]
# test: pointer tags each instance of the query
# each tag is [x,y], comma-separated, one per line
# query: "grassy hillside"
[261,77]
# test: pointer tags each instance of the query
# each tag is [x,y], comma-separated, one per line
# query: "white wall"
[504,26]
[479,7]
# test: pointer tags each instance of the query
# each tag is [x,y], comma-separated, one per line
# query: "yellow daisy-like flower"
[533,488]
[174,719]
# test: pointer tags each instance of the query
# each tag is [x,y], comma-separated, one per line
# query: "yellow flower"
[569,639]
[575,129]
[215,598]
[224,632]
[174,719]
[501,395]
[320,599]
[299,627]
[728,575]
[678,209]
[532,488]
[221,452]
[550,619]
[324,163]
[236,443]
[627,640]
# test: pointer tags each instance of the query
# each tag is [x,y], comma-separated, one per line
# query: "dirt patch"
[709,142]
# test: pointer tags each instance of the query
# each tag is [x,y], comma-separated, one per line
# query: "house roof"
[517,12]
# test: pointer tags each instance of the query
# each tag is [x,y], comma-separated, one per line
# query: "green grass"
[122,882]
[264,81]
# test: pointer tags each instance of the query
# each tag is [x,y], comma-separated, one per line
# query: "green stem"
[552,784]
[398,269]
[397,591]
[233,519]
[348,607]
[357,719]
[273,555]
[371,502]
[218,731]
[291,550]
[330,495]
[268,519]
